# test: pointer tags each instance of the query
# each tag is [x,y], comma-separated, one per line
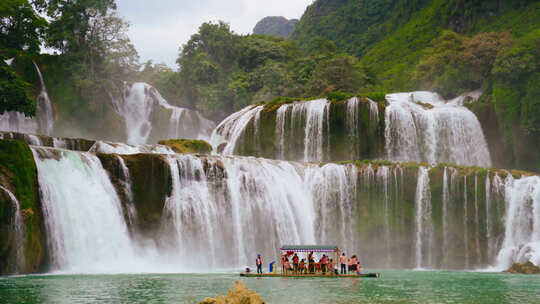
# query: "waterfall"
[136,110]
[194,215]
[19,231]
[45,115]
[232,128]
[352,125]
[126,186]
[309,119]
[221,210]
[373,112]
[522,222]
[174,124]
[42,123]
[421,127]
[424,223]
[383,174]
[248,215]
[281,116]
[315,112]
[477,222]
[83,215]
[137,106]
[446,199]
[466,222]
[488,221]
[333,188]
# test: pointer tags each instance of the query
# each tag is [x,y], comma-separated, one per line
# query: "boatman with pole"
[259,263]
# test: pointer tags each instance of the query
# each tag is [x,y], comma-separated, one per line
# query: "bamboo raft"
[309,275]
[290,249]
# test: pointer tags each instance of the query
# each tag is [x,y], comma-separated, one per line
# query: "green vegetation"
[17,162]
[17,168]
[449,47]
[19,31]
[194,146]
[222,71]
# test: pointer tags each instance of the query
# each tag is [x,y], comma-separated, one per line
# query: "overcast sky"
[160,27]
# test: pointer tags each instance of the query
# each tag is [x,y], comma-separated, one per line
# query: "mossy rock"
[18,173]
[193,146]
[525,268]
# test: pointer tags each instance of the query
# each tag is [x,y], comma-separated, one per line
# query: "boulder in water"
[525,268]
[240,294]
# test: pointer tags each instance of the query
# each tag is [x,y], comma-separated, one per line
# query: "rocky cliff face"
[275,26]
[22,237]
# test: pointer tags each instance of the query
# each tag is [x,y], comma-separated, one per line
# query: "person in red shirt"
[324,261]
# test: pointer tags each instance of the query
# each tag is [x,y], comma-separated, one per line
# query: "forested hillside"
[449,47]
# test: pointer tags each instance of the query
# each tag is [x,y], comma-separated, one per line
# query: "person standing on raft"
[343,261]
[259,262]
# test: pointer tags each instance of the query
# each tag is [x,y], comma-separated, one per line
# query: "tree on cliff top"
[20,31]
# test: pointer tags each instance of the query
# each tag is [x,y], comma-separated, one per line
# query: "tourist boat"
[330,251]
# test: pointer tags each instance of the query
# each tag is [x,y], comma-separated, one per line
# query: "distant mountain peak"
[278,26]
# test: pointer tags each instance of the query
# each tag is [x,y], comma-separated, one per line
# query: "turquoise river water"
[392,287]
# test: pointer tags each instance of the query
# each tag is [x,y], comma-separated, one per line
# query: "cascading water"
[45,115]
[446,199]
[312,117]
[424,224]
[466,222]
[232,128]
[522,222]
[315,112]
[18,230]
[477,223]
[42,123]
[248,215]
[83,215]
[383,174]
[140,100]
[219,207]
[333,190]
[421,127]
[126,181]
[352,124]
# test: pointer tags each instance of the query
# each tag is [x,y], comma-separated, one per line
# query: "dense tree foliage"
[93,41]
[20,31]
[221,71]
